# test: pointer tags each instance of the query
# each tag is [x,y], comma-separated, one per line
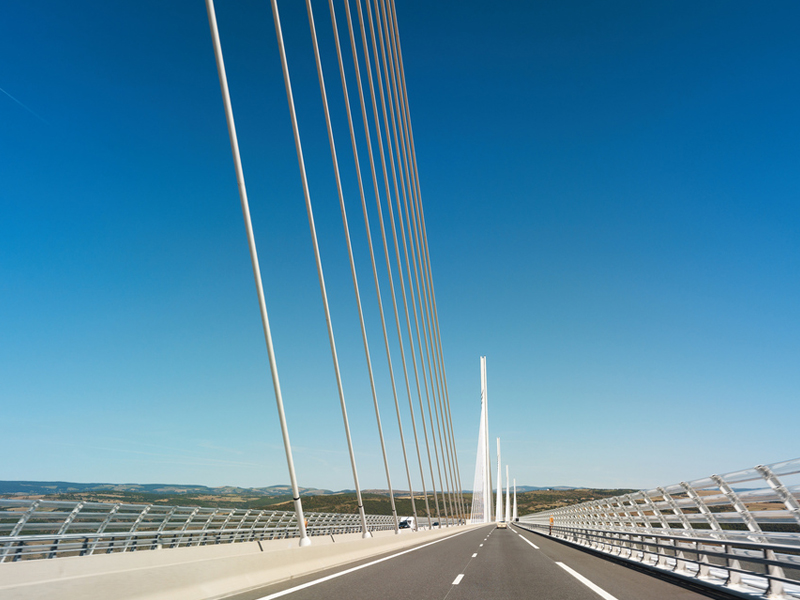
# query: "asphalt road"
[480,564]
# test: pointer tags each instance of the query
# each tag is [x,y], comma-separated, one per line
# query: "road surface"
[479,564]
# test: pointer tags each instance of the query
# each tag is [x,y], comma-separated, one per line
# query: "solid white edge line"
[530,542]
[458,579]
[596,589]
[303,586]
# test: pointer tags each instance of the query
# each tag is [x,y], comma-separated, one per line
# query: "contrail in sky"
[25,107]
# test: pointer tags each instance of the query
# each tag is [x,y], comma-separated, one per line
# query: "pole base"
[305,541]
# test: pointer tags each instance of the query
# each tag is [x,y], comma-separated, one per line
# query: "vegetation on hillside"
[374,503]
[542,500]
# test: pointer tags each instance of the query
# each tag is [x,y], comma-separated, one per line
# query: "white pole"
[486,491]
[508,498]
[499,510]
[479,498]
[488,451]
[237,161]
[514,515]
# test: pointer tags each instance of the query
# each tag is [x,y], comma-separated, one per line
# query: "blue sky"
[613,207]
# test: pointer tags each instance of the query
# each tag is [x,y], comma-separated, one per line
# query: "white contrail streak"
[25,107]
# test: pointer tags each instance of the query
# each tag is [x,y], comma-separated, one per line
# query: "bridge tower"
[482,484]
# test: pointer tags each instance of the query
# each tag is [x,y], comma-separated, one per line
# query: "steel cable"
[375,276]
[351,259]
[320,275]
[445,481]
[410,134]
[251,243]
[391,216]
[392,81]
[397,195]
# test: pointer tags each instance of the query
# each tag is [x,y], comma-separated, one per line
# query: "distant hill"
[557,488]
[278,497]
[540,499]
[46,488]
[39,488]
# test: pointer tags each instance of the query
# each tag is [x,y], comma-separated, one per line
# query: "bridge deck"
[483,564]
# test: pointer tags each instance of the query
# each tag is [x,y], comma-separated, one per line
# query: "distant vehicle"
[406,523]
[502,525]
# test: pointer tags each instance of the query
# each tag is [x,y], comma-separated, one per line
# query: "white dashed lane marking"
[303,586]
[458,579]
[474,555]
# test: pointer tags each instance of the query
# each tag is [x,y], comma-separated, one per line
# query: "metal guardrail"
[38,529]
[739,531]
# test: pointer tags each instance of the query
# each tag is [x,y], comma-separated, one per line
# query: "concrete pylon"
[508,498]
[499,510]
[514,515]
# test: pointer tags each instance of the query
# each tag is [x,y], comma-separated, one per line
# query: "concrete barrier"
[203,572]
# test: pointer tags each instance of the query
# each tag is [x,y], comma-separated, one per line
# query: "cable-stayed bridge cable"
[318,260]
[397,196]
[375,273]
[410,141]
[391,215]
[400,158]
[353,273]
[376,279]
[397,123]
[251,243]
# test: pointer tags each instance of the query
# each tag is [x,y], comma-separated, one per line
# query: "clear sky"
[612,196]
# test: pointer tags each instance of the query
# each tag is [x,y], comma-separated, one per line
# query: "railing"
[37,529]
[739,531]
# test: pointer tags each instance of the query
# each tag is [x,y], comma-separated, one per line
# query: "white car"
[502,525]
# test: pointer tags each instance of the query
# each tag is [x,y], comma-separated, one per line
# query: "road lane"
[425,572]
[480,564]
[507,567]
[618,580]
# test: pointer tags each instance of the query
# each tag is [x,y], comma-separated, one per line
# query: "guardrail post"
[775,588]
[704,571]
[64,527]
[734,577]
[132,531]
[790,502]
[18,527]
[18,551]
[103,526]
[680,558]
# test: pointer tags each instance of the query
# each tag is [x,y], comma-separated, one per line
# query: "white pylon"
[499,510]
[482,484]
[508,498]
[488,484]
[514,515]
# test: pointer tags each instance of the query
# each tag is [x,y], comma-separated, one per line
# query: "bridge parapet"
[197,572]
[38,529]
[740,531]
